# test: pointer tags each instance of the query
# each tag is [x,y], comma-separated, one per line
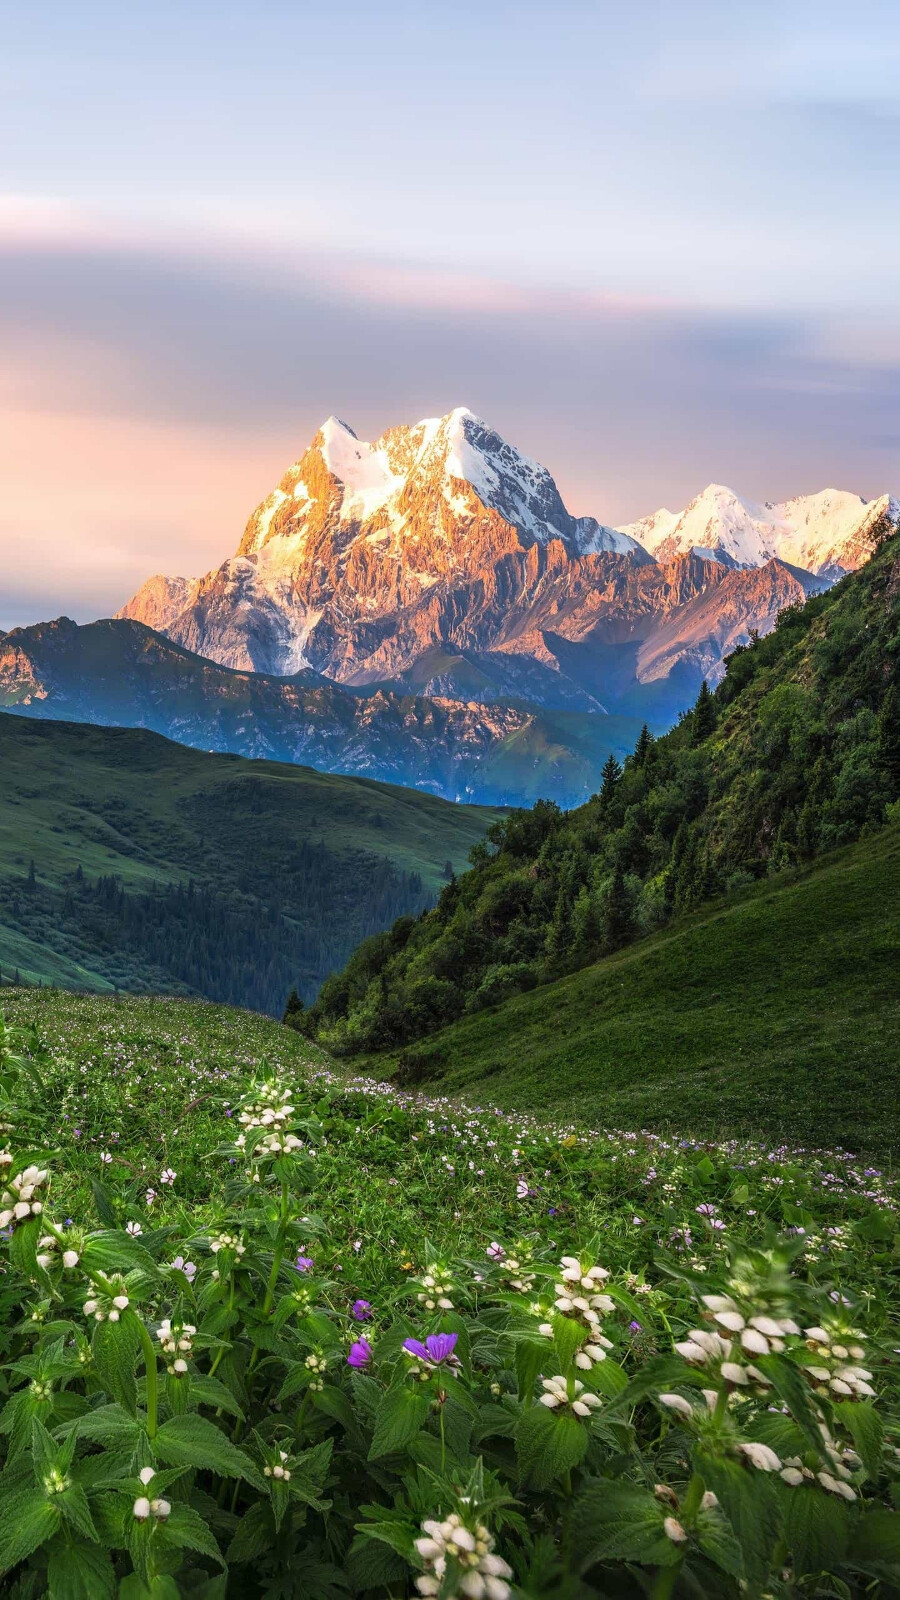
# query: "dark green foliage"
[293,1009]
[643,747]
[704,715]
[160,868]
[806,757]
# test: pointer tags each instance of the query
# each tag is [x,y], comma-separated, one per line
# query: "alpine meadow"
[449,857]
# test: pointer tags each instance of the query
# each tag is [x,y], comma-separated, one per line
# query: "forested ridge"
[796,752]
[131,862]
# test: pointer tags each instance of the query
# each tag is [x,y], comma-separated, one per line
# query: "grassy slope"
[779,1013]
[134,804]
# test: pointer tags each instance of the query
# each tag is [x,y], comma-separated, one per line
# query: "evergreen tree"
[559,932]
[642,748]
[704,715]
[610,777]
[448,873]
[293,1010]
[586,924]
[618,925]
[889,738]
[32,879]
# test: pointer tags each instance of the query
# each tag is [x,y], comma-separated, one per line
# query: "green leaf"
[370,1564]
[103,1203]
[81,1572]
[114,1348]
[749,1503]
[212,1392]
[23,1248]
[531,1359]
[608,1378]
[548,1444]
[109,1425]
[568,1336]
[185,1529]
[867,1430]
[790,1385]
[29,1520]
[254,1535]
[192,1441]
[400,1415]
[619,1522]
[74,1507]
[875,1546]
[716,1539]
[816,1529]
[309,1472]
[116,1251]
[334,1403]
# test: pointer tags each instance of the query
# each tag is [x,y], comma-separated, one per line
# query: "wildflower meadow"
[272,1330]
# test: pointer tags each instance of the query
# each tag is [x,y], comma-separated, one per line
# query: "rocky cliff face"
[120,673]
[441,559]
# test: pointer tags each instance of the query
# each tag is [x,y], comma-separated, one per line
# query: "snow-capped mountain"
[443,561]
[827,534]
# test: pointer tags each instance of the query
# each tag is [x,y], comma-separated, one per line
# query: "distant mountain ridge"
[120,673]
[440,557]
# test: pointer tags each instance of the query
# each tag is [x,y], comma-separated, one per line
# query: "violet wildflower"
[303,1263]
[361,1310]
[360,1353]
[436,1351]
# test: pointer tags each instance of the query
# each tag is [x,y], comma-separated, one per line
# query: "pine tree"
[610,778]
[293,1010]
[32,879]
[448,873]
[643,746]
[618,926]
[704,715]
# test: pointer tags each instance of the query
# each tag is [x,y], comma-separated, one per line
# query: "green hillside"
[796,754]
[163,868]
[778,1015]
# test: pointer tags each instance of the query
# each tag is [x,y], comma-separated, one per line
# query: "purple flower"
[303,1263]
[635,1327]
[360,1353]
[437,1349]
[361,1310]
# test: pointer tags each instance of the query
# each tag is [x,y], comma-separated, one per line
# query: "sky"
[655,245]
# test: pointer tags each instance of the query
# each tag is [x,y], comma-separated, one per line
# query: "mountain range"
[121,673]
[441,560]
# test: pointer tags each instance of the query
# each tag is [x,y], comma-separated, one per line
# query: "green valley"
[130,862]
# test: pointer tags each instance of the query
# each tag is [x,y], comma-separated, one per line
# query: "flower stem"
[152,1378]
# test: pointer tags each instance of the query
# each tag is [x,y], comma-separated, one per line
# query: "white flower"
[760,1456]
[142,1508]
[167,1175]
[677,1402]
[146,1475]
[835,1486]
[70,1259]
[673,1530]
[134,1228]
[792,1475]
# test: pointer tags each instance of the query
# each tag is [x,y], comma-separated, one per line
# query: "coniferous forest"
[796,752]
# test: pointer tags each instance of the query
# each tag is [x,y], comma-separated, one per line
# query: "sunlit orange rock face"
[442,559]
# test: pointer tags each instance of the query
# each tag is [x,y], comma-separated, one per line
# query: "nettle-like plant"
[221,1422]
